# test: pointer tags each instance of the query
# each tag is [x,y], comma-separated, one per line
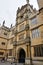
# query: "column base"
[27,61]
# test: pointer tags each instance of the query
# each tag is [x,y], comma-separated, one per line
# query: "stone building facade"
[26,37]
[40,3]
[5,42]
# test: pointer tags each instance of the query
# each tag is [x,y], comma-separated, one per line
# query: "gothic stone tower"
[40,3]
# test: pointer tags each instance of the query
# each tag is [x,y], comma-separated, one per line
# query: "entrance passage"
[22,56]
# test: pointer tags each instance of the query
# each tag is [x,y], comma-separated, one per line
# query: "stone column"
[32,51]
[27,61]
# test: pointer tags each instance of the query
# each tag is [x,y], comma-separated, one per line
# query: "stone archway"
[22,55]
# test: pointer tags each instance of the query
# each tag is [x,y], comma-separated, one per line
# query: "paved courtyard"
[9,63]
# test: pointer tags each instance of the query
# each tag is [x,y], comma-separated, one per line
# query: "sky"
[8,10]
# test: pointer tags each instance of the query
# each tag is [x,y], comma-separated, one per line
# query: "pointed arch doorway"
[22,55]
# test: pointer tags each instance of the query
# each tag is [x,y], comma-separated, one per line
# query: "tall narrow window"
[38,51]
[35,33]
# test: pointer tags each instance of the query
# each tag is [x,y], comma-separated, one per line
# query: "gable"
[26,11]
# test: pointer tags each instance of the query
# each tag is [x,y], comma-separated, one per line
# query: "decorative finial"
[11,25]
[18,10]
[27,1]
[3,22]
